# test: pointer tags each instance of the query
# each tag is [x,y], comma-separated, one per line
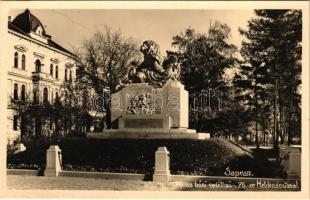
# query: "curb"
[104,175]
[29,172]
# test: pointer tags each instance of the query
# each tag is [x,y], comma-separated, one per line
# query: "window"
[51,70]
[15,91]
[70,75]
[57,97]
[66,74]
[23,62]
[45,95]
[77,73]
[56,72]
[15,122]
[23,93]
[38,66]
[66,96]
[16,60]
[35,97]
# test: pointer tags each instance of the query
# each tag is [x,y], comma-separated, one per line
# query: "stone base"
[149,134]
[161,177]
[293,176]
[51,173]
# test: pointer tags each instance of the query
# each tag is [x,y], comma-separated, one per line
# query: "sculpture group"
[153,69]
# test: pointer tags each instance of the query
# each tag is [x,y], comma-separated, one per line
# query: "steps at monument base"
[149,134]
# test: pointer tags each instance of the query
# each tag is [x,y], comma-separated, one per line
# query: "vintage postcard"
[155,99]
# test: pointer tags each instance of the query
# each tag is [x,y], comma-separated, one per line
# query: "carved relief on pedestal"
[140,104]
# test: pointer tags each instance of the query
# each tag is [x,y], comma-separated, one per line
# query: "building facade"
[37,67]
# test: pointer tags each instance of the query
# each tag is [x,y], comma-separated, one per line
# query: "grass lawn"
[192,157]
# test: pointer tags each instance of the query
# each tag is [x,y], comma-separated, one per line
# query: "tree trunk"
[107,106]
[281,127]
[108,118]
[23,127]
[275,116]
[256,126]
[289,137]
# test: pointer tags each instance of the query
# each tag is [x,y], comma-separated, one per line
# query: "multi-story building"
[37,66]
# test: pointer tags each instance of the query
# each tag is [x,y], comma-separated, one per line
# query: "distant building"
[37,66]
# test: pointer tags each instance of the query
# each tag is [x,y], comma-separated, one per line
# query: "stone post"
[284,151]
[294,163]
[162,165]
[53,161]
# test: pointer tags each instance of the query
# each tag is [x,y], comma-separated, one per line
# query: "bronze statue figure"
[152,70]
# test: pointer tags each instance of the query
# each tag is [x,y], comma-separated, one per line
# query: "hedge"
[193,157]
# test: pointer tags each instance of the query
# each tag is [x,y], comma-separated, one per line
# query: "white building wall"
[33,50]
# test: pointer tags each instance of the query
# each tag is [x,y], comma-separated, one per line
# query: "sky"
[70,27]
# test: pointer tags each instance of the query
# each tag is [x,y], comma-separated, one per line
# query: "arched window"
[15,91]
[70,75]
[38,66]
[16,60]
[51,70]
[45,95]
[56,72]
[23,93]
[66,74]
[23,62]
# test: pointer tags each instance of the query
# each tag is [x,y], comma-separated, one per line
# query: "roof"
[26,22]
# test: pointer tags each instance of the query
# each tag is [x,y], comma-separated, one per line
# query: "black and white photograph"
[154,98]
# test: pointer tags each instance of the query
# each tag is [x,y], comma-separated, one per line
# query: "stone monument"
[152,103]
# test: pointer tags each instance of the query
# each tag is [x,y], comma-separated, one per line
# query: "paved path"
[22,182]
[27,182]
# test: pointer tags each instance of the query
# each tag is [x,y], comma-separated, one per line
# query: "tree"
[73,106]
[21,111]
[272,52]
[33,118]
[204,60]
[104,59]
[251,93]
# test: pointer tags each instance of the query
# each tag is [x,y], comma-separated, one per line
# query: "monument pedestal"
[142,111]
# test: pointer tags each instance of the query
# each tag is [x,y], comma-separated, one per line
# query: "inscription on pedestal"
[143,123]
